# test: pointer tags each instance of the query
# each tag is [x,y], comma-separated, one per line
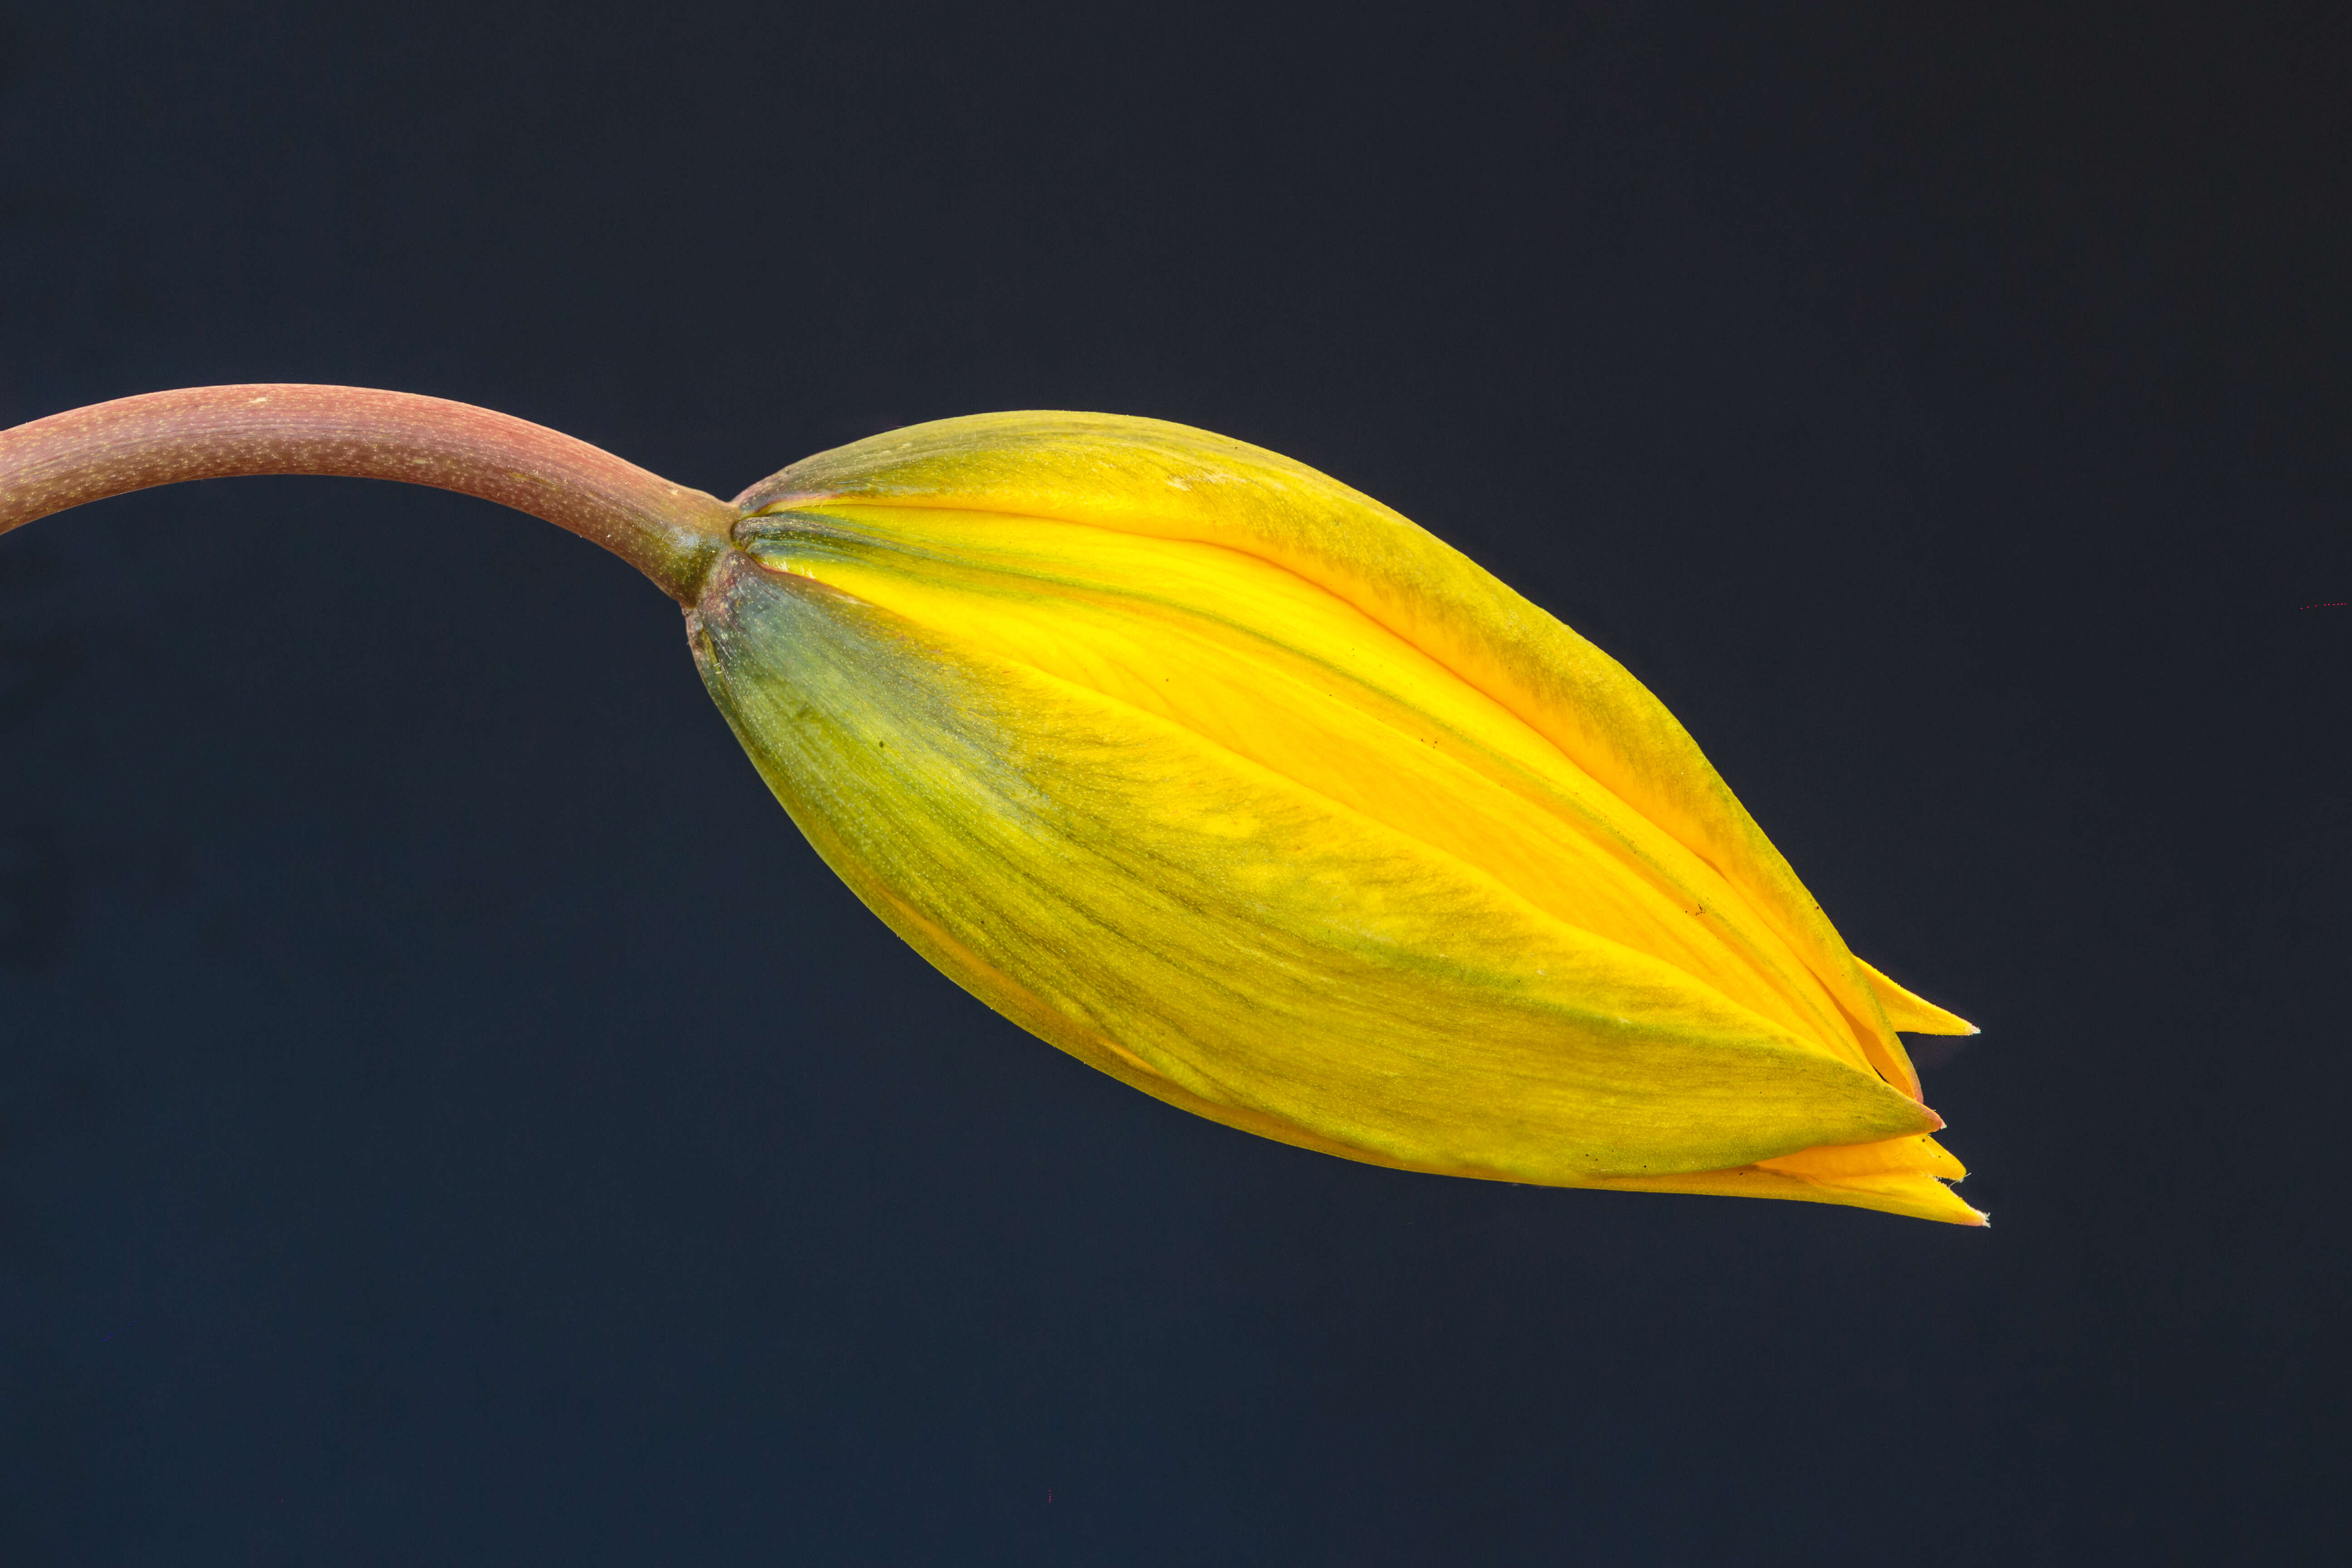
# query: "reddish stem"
[666,531]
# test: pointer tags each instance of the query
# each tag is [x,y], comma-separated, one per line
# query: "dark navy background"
[450,1116]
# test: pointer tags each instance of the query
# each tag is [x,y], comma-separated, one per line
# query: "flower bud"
[1239,786]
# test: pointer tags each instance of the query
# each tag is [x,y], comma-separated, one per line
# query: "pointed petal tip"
[1955,1209]
[1969,1216]
[1944,1206]
[1911,1014]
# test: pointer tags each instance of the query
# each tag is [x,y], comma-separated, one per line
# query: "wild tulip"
[1218,775]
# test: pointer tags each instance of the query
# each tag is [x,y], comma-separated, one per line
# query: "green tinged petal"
[1241,788]
[1245,940]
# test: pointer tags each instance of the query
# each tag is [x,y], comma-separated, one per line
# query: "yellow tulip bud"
[1237,784]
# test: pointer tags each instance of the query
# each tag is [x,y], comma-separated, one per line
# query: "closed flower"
[1244,789]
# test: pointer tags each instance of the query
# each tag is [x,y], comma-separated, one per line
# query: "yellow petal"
[1198,922]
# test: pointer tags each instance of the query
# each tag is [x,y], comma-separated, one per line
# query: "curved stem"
[666,531]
